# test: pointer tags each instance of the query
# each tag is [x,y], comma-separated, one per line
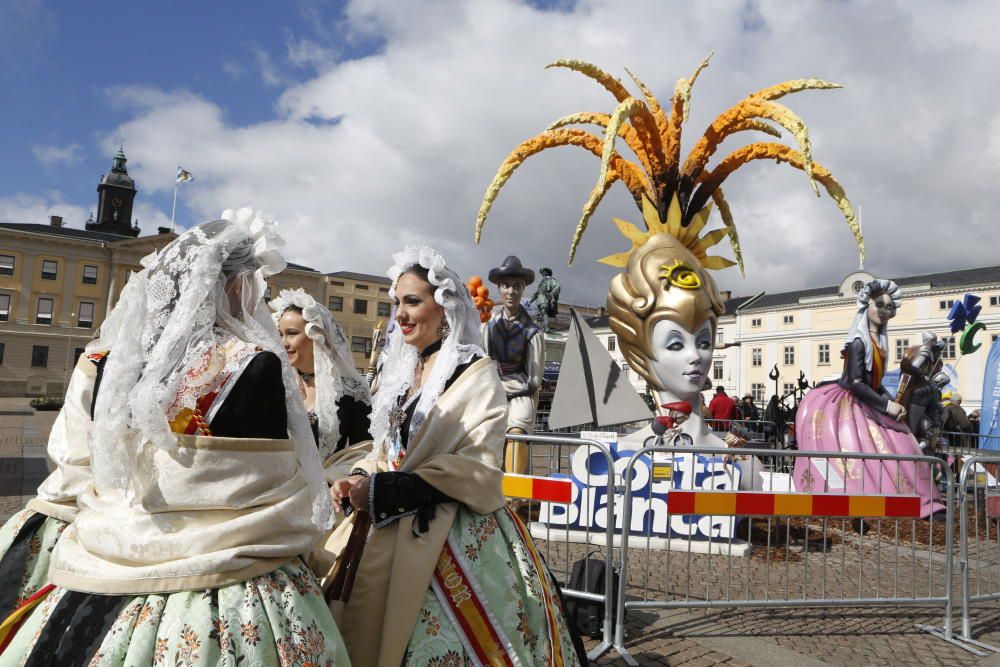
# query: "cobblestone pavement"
[797,637]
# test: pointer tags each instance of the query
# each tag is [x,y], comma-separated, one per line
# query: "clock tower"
[115,195]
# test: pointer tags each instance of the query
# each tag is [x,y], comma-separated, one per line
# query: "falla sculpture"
[664,305]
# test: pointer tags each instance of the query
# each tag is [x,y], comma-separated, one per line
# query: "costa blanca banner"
[652,478]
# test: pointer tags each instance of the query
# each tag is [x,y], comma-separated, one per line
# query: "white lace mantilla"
[400,360]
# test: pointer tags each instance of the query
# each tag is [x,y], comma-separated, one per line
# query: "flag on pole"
[183,175]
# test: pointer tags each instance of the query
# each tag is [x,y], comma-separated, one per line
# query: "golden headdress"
[666,269]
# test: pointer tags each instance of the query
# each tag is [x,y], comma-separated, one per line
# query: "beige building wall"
[359,301]
[56,296]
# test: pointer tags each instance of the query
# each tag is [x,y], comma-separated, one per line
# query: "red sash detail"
[457,592]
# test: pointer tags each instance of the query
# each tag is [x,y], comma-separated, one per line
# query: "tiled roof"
[364,277]
[70,232]
[961,278]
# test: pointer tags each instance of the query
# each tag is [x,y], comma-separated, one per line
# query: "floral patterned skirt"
[26,544]
[279,618]
[512,589]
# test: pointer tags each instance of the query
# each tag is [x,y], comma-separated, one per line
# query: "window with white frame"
[89,274]
[757,392]
[995,300]
[789,355]
[949,347]
[787,388]
[824,354]
[6,265]
[946,304]
[755,322]
[788,319]
[901,346]
[717,370]
[44,313]
[50,269]
[384,308]
[85,317]
[756,357]
[612,343]
[625,370]
[336,303]
[4,307]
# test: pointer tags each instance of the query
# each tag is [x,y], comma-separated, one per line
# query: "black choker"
[431,349]
[308,378]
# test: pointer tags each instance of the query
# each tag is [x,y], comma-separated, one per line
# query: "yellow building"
[56,285]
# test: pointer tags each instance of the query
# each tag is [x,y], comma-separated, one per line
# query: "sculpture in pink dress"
[856,414]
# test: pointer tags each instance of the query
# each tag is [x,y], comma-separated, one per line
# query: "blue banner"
[989,421]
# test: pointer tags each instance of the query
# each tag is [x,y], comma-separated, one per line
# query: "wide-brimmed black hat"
[511,268]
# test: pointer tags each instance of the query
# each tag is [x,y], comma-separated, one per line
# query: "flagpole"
[173,209]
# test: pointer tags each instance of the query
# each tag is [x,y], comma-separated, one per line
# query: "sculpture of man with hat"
[515,342]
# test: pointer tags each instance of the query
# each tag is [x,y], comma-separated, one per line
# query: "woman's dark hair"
[420,272]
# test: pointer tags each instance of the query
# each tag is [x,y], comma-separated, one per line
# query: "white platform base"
[736,548]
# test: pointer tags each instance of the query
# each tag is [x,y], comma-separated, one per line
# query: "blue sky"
[63,62]
[365,125]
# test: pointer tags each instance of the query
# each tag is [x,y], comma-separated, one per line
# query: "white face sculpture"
[681,359]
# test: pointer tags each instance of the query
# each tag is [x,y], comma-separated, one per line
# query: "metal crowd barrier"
[966,444]
[979,521]
[550,454]
[877,565]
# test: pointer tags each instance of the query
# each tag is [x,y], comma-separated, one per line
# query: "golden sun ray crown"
[687,235]
[675,194]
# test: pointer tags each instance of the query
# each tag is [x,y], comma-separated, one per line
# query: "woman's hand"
[340,490]
[896,411]
[359,494]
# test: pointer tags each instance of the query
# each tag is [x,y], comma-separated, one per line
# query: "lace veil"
[336,375]
[204,288]
[399,360]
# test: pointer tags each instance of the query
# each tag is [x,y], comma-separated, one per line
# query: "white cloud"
[270,73]
[53,156]
[36,209]
[398,147]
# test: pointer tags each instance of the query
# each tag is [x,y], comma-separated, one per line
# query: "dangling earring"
[444,330]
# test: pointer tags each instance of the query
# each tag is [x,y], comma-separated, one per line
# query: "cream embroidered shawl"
[68,448]
[214,512]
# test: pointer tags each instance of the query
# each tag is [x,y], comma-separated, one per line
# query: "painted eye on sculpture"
[680,275]
[676,346]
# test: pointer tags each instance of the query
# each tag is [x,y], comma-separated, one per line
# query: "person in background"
[748,411]
[723,409]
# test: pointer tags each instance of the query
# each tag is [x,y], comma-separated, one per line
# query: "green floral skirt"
[29,568]
[513,589]
[276,619]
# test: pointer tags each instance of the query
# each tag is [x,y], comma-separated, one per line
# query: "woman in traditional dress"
[206,486]
[857,414]
[448,574]
[336,397]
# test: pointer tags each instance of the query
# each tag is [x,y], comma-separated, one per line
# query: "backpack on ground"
[587,616]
